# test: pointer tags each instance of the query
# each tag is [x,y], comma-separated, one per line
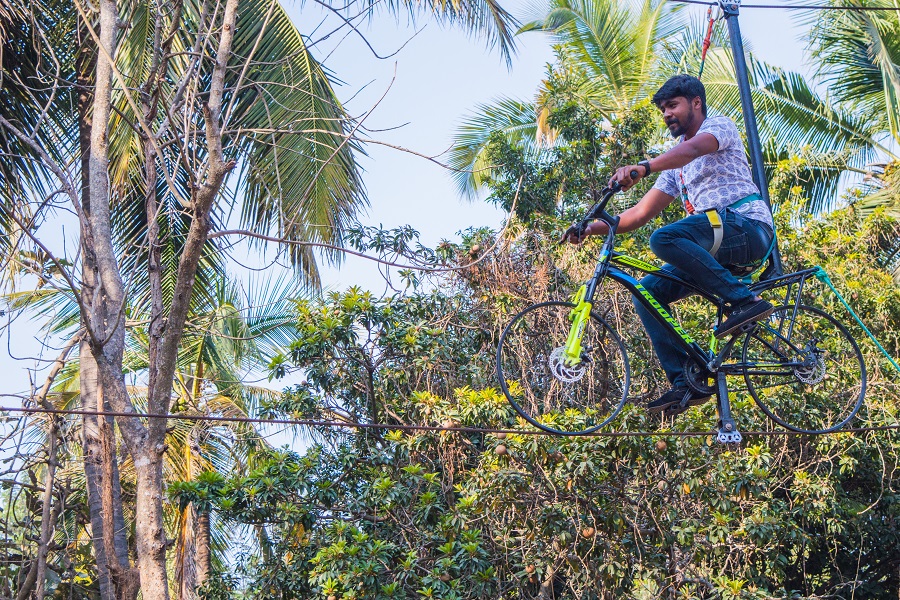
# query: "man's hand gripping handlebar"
[579,230]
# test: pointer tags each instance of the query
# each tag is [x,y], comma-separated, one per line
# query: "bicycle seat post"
[728,431]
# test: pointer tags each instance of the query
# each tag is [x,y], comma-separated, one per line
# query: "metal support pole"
[731,9]
[728,432]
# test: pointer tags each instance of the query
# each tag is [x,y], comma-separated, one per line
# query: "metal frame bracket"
[731,8]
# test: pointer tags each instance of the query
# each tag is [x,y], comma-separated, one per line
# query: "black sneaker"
[746,314]
[673,398]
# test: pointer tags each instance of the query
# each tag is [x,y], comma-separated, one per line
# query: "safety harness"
[715,221]
[718,227]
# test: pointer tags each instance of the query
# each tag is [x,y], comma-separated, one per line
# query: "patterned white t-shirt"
[716,180]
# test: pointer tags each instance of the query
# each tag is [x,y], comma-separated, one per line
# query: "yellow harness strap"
[715,221]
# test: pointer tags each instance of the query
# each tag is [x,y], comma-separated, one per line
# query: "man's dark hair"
[685,86]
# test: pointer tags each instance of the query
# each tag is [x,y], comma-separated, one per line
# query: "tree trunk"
[149,526]
[93,471]
[101,467]
[47,515]
[92,441]
[204,564]
[36,578]
[185,555]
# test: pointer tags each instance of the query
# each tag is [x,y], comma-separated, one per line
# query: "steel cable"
[434,428]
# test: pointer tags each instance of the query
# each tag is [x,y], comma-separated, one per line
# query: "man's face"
[679,114]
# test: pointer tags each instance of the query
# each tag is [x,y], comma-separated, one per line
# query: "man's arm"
[633,218]
[685,152]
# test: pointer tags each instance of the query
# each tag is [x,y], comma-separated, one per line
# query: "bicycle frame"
[709,359]
[712,360]
[584,299]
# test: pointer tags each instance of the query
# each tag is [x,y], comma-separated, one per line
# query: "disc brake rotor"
[812,370]
[562,371]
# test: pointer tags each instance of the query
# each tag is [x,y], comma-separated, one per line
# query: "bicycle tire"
[804,370]
[595,392]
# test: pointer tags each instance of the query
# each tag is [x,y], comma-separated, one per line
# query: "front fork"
[579,317]
[583,301]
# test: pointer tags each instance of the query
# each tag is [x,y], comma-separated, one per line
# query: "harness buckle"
[715,221]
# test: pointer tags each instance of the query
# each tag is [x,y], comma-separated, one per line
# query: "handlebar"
[598,211]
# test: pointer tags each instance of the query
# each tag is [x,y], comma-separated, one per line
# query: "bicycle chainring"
[697,379]
[562,371]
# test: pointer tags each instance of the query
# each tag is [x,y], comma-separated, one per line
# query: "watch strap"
[646,164]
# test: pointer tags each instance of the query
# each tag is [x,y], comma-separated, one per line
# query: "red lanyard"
[684,195]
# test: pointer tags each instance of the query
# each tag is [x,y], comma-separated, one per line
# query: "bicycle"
[565,369]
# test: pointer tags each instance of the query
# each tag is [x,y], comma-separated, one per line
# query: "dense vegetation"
[348,512]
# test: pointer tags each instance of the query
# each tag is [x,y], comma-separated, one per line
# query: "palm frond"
[857,54]
[613,44]
[793,117]
[487,19]
[515,119]
[681,52]
[299,176]
[56,307]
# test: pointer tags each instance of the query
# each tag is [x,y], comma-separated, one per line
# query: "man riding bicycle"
[727,223]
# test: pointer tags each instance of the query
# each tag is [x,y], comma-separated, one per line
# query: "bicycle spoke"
[804,370]
[544,388]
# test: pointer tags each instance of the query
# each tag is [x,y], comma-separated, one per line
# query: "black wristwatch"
[646,164]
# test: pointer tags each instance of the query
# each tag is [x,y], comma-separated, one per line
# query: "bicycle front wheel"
[804,370]
[553,396]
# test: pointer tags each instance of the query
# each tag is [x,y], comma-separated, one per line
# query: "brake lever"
[578,229]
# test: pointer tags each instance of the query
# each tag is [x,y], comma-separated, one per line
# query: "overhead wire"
[797,6]
[431,428]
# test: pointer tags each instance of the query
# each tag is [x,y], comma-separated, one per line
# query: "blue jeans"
[685,246]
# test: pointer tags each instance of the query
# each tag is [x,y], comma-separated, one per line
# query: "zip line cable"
[434,428]
[799,6]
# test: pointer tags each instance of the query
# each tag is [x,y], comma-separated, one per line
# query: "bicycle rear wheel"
[804,370]
[543,389]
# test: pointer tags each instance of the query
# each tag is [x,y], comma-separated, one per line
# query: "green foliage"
[444,515]
[387,347]
[219,586]
[410,514]
[202,492]
[563,178]
[857,54]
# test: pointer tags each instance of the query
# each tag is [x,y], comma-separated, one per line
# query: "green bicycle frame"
[583,300]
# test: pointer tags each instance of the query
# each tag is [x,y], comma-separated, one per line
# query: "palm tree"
[610,55]
[231,334]
[607,54]
[857,54]
[833,140]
